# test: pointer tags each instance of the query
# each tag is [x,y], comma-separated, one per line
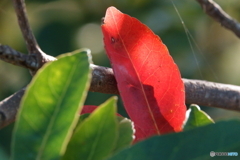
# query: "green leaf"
[196,117]
[3,155]
[50,108]
[196,143]
[95,137]
[126,131]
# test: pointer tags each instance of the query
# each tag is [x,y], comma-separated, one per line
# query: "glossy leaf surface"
[148,79]
[50,108]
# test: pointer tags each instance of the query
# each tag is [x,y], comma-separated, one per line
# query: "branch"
[9,107]
[14,57]
[215,11]
[32,45]
[212,94]
[103,80]
[199,92]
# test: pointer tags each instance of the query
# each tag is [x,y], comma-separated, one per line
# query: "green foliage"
[57,34]
[49,112]
[49,109]
[48,124]
[193,144]
[122,133]
[125,133]
[196,117]
[96,136]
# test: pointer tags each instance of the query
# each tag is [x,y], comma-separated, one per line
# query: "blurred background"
[62,26]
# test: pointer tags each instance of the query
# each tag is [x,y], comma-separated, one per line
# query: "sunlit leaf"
[148,80]
[50,108]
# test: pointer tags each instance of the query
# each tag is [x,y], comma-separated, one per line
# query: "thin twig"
[216,12]
[14,57]
[32,45]
[28,35]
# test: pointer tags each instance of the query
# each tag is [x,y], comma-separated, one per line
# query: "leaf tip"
[110,12]
[112,9]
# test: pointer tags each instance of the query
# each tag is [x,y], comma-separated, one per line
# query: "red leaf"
[148,79]
[88,109]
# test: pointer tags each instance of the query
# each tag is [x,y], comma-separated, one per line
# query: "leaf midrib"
[142,89]
[56,111]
